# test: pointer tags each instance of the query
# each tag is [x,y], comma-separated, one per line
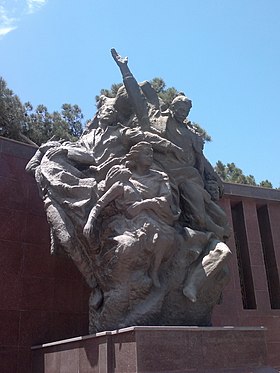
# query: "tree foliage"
[201,131]
[231,173]
[41,125]
[21,121]
[167,95]
[266,184]
[11,112]
[111,92]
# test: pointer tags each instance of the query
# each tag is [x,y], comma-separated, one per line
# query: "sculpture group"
[134,203]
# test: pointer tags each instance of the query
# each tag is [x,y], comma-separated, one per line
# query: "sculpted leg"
[193,196]
[163,247]
[206,269]
[218,216]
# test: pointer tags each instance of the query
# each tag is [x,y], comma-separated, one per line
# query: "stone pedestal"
[157,349]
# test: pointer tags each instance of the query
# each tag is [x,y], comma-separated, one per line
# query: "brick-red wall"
[231,311]
[43,298]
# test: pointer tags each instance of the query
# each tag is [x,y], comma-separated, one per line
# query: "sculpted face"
[145,157]
[181,110]
[107,115]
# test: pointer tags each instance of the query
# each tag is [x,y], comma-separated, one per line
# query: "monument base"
[157,349]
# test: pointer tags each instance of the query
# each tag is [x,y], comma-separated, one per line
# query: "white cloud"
[34,5]
[6,30]
[12,11]
[7,21]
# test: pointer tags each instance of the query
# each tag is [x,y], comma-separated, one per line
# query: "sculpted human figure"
[134,204]
[143,197]
[107,141]
[186,169]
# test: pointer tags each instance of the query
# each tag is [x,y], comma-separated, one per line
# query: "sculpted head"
[180,107]
[213,189]
[140,155]
[107,114]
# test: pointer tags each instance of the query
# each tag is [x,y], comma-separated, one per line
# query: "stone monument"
[134,204]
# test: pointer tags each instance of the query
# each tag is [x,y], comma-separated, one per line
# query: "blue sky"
[224,54]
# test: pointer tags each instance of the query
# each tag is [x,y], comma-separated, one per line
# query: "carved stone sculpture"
[134,203]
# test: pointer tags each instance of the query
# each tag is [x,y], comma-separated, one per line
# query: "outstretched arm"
[133,135]
[133,90]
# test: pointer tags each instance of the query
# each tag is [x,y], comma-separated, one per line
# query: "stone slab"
[158,350]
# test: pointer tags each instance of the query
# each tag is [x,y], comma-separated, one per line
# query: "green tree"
[158,84]
[36,126]
[166,95]
[232,174]
[220,168]
[266,184]
[201,131]
[250,179]
[11,112]
[42,125]
[111,92]
[72,115]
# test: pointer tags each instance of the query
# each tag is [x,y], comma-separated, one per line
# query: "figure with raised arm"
[187,168]
[133,203]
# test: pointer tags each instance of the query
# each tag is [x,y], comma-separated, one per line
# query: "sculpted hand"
[90,225]
[87,231]
[135,135]
[48,145]
[118,59]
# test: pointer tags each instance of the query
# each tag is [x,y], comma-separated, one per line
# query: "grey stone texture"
[134,203]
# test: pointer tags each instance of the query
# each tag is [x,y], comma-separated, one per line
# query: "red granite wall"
[43,298]
[266,311]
